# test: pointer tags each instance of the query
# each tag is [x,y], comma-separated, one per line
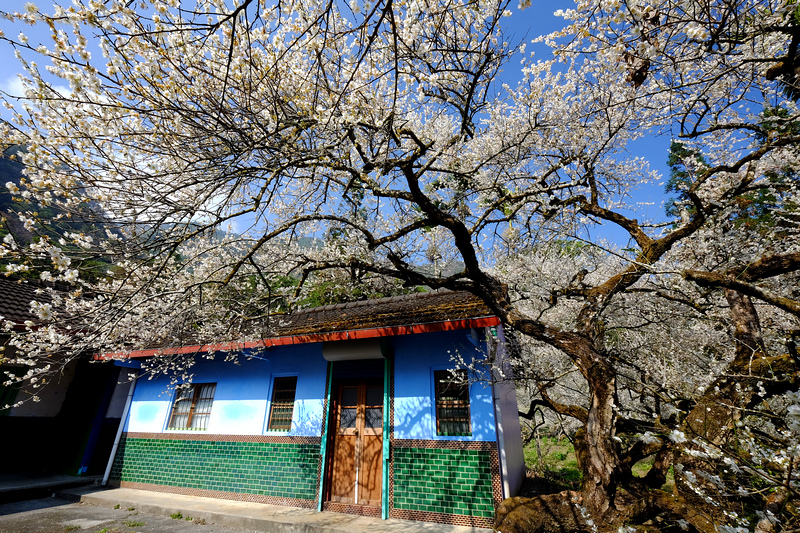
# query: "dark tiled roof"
[436,310]
[15,299]
[408,310]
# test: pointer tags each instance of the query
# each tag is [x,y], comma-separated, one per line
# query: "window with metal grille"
[192,407]
[280,415]
[452,403]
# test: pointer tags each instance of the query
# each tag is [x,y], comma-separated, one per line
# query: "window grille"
[452,403]
[282,407]
[192,407]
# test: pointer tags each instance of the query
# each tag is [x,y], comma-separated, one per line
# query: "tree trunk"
[747,330]
[599,457]
[716,413]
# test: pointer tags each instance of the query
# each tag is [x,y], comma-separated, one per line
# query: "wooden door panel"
[343,482]
[370,471]
[356,465]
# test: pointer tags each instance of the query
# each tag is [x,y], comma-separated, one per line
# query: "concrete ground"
[255,516]
[97,510]
[54,515]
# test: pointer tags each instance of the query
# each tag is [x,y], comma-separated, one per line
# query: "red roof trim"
[450,325]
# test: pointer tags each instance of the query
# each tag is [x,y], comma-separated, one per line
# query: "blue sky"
[532,22]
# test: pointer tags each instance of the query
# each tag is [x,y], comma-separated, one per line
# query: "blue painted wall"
[415,359]
[243,393]
[244,390]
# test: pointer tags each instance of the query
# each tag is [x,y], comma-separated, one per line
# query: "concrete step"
[21,488]
[76,494]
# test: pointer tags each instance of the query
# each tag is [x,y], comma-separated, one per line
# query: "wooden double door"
[354,473]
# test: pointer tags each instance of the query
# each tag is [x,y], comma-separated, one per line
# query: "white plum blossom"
[649,438]
[43,311]
[677,436]
[696,32]
[793,412]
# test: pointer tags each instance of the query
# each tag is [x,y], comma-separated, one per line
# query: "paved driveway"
[52,515]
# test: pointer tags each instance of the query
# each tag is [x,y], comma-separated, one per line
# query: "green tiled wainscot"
[271,469]
[443,481]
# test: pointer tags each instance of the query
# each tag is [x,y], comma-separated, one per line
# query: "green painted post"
[324,447]
[385,477]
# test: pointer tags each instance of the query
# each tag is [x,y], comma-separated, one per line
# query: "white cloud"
[12,86]
[11,89]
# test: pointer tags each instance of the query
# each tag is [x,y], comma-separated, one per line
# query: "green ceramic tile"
[282,470]
[443,481]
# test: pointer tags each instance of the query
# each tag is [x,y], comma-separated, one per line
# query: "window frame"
[466,400]
[197,397]
[277,388]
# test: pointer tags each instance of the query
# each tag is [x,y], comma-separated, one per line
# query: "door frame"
[327,436]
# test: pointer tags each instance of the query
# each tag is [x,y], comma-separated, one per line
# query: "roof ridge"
[360,303]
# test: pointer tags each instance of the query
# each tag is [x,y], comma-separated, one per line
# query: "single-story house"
[356,408]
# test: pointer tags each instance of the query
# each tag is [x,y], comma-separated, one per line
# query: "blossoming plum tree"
[382,130]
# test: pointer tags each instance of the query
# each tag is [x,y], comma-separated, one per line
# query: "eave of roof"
[449,325]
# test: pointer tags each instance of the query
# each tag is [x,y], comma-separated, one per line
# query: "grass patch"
[641,468]
[554,459]
[176,516]
[669,484]
[131,523]
[71,528]
[117,506]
